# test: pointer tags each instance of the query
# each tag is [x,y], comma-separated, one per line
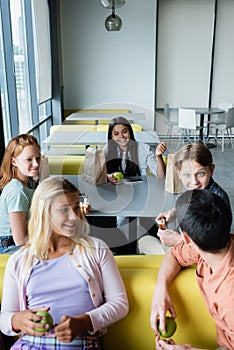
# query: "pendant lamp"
[113,22]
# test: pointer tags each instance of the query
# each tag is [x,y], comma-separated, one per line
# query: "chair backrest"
[167,111]
[187,119]
[225,106]
[230,118]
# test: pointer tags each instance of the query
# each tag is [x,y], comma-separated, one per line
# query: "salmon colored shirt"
[217,288]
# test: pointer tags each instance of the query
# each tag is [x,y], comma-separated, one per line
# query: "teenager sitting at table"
[19,168]
[64,271]
[194,163]
[124,154]
[205,221]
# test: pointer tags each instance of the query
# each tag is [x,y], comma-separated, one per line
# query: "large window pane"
[20,64]
[3,90]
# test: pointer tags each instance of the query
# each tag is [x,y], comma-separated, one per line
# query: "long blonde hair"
[39,226]
[14,149]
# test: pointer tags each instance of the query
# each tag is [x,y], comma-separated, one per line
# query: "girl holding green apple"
[124,154]
[64,271]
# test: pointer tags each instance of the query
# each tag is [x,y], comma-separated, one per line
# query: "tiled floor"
[224,169]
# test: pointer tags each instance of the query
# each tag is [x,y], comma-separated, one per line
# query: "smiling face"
[28,162]
[194,175]
[65,214]
[121,135]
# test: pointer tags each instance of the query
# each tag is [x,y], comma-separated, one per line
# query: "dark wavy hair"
[113,160]
[205,218]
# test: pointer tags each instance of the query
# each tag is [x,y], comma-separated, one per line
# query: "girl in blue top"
[19,169]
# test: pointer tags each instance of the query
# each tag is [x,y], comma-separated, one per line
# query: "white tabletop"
[138,199]
[68,138]
[208,111]
[106,116]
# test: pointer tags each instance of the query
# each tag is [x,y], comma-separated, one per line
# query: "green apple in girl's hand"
[170,327]
[118,176]
[46,320]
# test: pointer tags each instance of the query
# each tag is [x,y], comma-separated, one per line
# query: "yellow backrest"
[66,165]
[194,324]
[72,128]
[110,111]
[135,127]
[103,127]
[67,112]
[139,272]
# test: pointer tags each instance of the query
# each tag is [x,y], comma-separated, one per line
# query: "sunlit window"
[3,85]
[25,68]
[20,64]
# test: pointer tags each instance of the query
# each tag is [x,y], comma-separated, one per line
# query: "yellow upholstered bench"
[80,149]
[79,122]
[110,111]
[135,127]
[100,111]
[66,165]
[139,272]
[72,128]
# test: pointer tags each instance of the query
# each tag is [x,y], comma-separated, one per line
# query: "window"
[22,63]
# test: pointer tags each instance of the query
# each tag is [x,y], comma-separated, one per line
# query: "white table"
[202,111]
[106,116]
[142,199]
[69,138]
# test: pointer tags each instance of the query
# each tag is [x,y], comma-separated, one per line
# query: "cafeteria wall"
[173,51]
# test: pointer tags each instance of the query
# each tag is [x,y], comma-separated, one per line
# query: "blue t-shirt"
[57,283]
[15,197]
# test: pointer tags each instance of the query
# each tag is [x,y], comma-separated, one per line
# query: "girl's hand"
[160,149]
[110,178]
[25,322]
[70,327]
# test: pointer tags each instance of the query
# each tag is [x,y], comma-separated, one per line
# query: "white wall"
[223,83]
[185,31]
[117,69]
[109,69]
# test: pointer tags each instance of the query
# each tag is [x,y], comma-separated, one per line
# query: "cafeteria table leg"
[132,246]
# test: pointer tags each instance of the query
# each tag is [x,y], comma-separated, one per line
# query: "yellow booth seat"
[65,165]
[135,127]
[72,128]
[67,112]
[100,111]
[110,111]
[139,272]
[80,149]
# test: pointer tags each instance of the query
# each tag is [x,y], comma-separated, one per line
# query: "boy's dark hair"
[205,218]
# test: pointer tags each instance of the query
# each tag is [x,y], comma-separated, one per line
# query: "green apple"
[46,320]
[118,176]
[170,327]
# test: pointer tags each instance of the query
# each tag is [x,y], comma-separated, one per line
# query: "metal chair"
[224,128]
[219,119]
[187,125]
[171,123]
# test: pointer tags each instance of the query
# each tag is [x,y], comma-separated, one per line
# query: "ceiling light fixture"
[113,22]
